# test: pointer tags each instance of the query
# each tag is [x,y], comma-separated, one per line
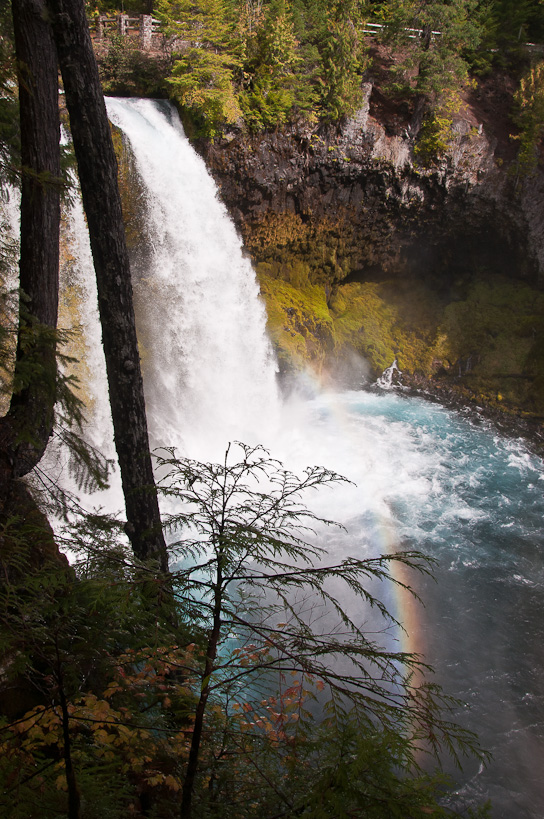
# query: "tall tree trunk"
[74,799]
[200,712]
[98,178]
[25,430]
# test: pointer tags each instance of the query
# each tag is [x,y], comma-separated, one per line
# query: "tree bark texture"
[211,654]
[26,429]
[97,167]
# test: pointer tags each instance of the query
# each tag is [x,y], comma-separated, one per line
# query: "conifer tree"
[343,59]
[435,35]
[202,78]
[268,697]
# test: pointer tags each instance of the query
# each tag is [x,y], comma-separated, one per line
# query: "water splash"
[79,311]
[389,378]
[78,314]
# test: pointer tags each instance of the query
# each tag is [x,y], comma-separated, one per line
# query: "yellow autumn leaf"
[101,735]
[60,783]
[50,739]
[172,783]
[107,739]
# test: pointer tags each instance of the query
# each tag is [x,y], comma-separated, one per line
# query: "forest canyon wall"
[359,248]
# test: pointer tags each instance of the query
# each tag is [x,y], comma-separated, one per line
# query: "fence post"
[101,26]
[122,24]
[146,31]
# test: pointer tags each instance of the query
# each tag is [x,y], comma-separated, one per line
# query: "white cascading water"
[423,477]
[78,314]
[385,381]
[80,274]
[210,370]
[10,203]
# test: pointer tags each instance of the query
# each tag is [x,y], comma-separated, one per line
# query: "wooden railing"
[376,28]
[144,26]
[373,29]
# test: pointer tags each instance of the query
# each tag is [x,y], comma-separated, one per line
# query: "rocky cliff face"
[359,247]
[359,192]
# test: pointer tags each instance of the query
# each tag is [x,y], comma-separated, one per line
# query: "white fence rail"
[145,27]
[376,28]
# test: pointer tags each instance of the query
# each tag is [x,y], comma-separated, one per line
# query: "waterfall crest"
[209,369]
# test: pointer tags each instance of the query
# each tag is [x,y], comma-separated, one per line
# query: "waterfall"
[423,477]
[209,370]
[9,297]
[385,381]
[78,311]
[9,223]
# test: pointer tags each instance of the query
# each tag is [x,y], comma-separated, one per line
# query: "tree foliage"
[202,78]
[436,36]
[251,704]
[275,60]
[271,60]
[530,116]
[261,64]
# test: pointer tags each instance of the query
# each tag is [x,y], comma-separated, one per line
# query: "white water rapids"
[423,477]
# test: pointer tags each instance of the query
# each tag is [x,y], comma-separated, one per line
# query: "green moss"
[386,321]
[500,326]
[284,241]
[493,311]
[362,320]
[131,190]
[489,346]
[299,322]
[296,273]
[361,317]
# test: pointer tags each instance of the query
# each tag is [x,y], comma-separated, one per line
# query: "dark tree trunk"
[27,539]
[211,654]
[25,430]
[74,799]
[98,178]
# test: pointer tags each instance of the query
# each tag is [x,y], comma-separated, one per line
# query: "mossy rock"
[307,330]
[285,240]
[489,345]
[497,330]
[299,322]
[384,321]
[132,191]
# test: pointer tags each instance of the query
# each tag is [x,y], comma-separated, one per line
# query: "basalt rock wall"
[353,204]
[361,248]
